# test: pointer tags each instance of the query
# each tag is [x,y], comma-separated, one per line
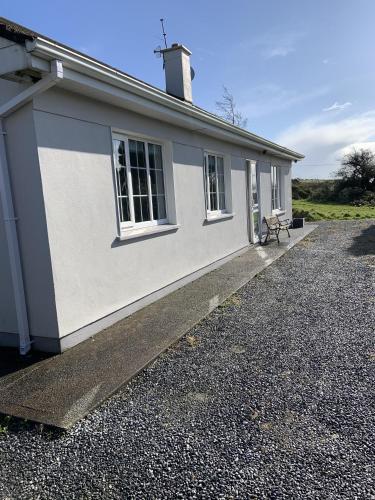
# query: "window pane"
[212,180]
[221,183]
[124,209]
[211,164]
[141,154]
[158,157]
[142,172]
[145,208]
[119,150]
[133,153]
[254,189]
[213,199]
[220,165]
[212,175]
[135,181]
[275,188]
[122,182]
[151,155]
[161,207]
[159,182]
[221,201]
[155,207]
[153,181]
[137,209]
[155,156]
[158,206]
[256,222]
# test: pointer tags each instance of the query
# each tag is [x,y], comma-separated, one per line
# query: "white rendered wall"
[93,273]
[31,221]
[8,318]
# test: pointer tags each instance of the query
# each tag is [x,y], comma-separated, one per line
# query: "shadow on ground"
[12,362]
[364,244]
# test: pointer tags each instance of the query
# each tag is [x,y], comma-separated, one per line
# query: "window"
[275,188]
[215,183]
[254,185]
[139,182]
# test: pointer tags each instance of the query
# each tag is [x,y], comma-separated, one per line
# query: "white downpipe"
[6,199]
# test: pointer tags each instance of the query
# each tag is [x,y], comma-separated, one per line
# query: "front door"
[253,201]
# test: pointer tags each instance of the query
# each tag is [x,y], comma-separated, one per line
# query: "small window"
[139,182]
[215,183]
[275,188]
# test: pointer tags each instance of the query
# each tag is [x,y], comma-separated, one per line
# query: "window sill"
[279,211]
[217,217]
[144,232]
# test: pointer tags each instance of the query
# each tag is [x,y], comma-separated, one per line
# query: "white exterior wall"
[8,318]
[28,200]
[76,270]
[94,274]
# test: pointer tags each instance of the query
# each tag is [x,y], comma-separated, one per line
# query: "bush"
[302,214]
[348,194]
[298,193]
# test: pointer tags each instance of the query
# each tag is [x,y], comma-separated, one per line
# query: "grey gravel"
[272,396]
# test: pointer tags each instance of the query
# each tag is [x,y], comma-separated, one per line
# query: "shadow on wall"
[364,244]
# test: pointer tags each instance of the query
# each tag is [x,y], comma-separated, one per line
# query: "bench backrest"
[271,220]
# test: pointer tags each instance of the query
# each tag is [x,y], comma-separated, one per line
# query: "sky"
[302,72]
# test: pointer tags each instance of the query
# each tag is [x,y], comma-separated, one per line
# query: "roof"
[20,34]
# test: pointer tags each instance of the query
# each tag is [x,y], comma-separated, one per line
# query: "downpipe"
[7,204]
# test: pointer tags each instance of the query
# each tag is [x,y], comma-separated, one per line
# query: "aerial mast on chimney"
[164,33]
[158,50]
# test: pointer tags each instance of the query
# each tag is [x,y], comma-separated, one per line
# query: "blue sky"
[302,72]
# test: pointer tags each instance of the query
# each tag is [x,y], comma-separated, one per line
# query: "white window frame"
[125,137]
[214,213]
[275,189]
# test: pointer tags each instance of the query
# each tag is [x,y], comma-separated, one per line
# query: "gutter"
[6,198]
[96,69]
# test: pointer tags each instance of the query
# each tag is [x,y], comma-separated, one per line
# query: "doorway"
[253,200]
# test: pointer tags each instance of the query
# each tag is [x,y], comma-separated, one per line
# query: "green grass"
[313,211]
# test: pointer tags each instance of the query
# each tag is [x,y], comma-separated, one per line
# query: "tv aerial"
[158,50]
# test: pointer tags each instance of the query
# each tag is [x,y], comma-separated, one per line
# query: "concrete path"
[60,390]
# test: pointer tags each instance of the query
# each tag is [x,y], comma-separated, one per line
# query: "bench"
[275,225]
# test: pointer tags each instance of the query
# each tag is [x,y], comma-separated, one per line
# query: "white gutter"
[88,66]
[6,198]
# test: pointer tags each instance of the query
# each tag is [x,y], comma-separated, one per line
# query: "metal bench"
[275,225]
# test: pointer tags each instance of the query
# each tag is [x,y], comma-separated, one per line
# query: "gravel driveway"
[272,396]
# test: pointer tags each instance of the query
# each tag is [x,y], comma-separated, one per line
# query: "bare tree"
[228,109]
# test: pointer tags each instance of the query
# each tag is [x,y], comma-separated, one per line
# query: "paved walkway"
[62,389]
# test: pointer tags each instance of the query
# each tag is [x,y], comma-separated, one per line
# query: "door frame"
[250,165]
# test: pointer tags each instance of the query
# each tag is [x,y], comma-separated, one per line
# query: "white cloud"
[356,145]
[265,99]
[279,51]
[275,44]
[325,61]
[324,141]
[337,107]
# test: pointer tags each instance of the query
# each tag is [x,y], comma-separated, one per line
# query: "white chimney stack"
[178,72]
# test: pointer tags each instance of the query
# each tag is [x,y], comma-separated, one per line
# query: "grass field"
[313,211]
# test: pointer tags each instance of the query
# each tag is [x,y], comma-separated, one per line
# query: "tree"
[358,170]
[228,110]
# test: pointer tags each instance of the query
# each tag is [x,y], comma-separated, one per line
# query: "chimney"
[178,73]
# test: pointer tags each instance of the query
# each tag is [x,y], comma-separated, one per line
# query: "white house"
[113,192]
